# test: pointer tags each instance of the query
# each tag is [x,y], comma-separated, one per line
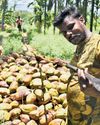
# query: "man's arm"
[88,83]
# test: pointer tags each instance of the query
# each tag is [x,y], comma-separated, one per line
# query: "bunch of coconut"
[32,90]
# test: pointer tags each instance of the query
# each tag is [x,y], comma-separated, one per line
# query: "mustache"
[76,35]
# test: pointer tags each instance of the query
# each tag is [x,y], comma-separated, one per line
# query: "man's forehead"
[68,20]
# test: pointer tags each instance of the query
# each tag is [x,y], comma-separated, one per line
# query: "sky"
[21,4]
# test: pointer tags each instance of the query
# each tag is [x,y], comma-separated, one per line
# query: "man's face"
[73,30]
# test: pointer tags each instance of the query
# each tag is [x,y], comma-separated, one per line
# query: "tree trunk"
[66,3]
[96,16]
[77,3]
[91,18]
[4,7]
[58,5]
[50,5]
[55,12]
[85,4]
[45,18]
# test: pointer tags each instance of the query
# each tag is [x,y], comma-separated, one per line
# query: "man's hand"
[58,62]
[88,83]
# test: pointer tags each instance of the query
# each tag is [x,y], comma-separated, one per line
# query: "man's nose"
[68,34]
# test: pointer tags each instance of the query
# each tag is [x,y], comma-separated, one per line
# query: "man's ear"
[81,18]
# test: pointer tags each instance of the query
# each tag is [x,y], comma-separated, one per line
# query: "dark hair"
[71,11]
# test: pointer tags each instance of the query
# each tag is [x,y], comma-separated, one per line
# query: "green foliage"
[10,17]
[38,17]
[12,43]
[30,34]
[49,18]
[15,34]
[53,45]
[39,12]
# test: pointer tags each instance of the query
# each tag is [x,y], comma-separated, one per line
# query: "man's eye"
[70,27]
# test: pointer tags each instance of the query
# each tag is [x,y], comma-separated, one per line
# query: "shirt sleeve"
[95,71]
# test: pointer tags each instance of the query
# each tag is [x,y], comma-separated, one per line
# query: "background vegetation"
[38,25]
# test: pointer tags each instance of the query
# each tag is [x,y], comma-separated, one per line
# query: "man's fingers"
[81,74]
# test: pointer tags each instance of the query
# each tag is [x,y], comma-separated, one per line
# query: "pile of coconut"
[32,90]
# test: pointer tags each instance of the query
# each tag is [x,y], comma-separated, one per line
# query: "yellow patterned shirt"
[82,109]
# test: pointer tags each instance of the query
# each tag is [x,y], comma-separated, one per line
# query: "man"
[19,23]
[83,110]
